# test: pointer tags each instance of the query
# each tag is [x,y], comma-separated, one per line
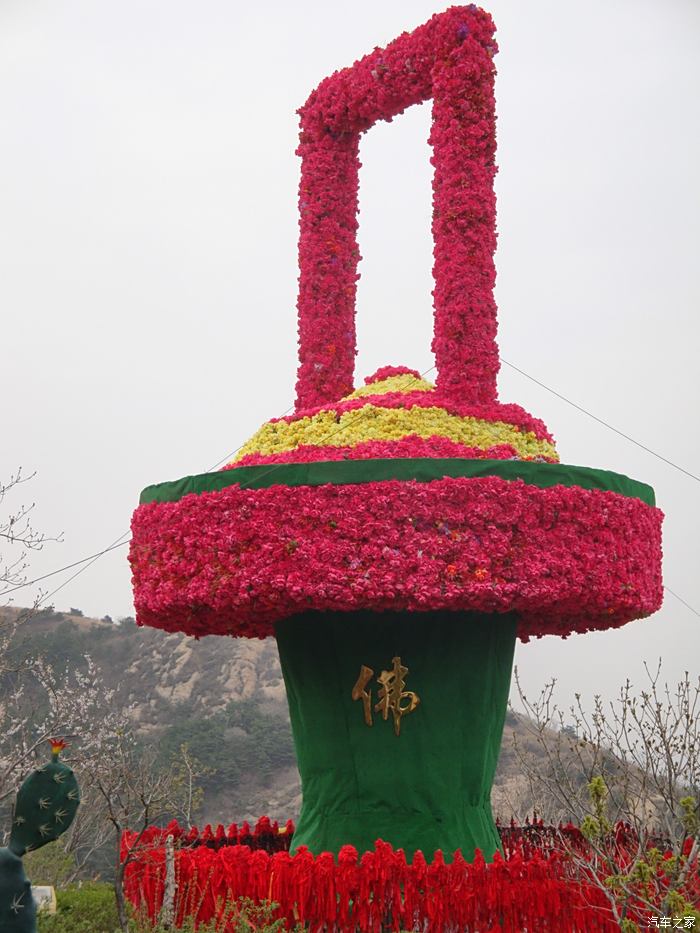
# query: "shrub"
[86,908]
[49,865]
[91,908]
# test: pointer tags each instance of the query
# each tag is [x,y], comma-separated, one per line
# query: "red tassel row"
[266,834]
[538,886]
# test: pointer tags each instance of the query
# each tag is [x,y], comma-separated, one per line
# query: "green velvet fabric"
[421,469]
[428,788]
[17,907]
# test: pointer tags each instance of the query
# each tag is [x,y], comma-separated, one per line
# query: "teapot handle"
[449,59]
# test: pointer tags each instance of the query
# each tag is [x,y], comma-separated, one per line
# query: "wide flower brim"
[569,549]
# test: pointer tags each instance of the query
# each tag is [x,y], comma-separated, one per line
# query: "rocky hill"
[223,697]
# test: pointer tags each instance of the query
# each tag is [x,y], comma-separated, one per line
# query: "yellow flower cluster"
[372,422]
[403,382]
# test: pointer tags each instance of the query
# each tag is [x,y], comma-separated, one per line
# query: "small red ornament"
[57,746]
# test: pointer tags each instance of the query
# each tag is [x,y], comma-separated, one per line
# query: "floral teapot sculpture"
[46,806]
[398,537]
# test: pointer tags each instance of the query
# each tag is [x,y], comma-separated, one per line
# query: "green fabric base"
[421,469]
[428,788]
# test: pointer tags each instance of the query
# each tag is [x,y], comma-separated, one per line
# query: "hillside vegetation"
[222,697]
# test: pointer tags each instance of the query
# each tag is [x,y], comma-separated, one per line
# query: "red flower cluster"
[266,834]
[57,745]
[525,839]
[386,372]
[236,561]
[450,59]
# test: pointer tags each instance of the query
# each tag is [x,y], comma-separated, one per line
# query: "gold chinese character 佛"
[391,694]
[360,693]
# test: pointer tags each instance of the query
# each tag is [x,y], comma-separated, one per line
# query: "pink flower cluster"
[411,446]
[385,372]
[450,59]
[238,560]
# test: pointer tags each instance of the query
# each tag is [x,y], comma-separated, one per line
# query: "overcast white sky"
[148,233]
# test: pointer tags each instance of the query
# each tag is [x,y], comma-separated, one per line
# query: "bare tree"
[37,700]
[17,535]
[628,774]
[188,794]
[42,702]
[136,793]
[17,538]
[88,843]
[122,786]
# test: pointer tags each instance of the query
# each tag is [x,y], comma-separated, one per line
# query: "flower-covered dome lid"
[397,413]
[399,495]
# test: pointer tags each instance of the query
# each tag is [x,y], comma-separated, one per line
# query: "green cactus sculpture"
[46,805]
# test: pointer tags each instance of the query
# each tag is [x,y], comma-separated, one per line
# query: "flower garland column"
[463,138]
[450,59]
[328,258]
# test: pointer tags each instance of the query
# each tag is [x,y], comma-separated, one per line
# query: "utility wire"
[681,600]
[233,452]
[600,421]
[89,561]
[62,569]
